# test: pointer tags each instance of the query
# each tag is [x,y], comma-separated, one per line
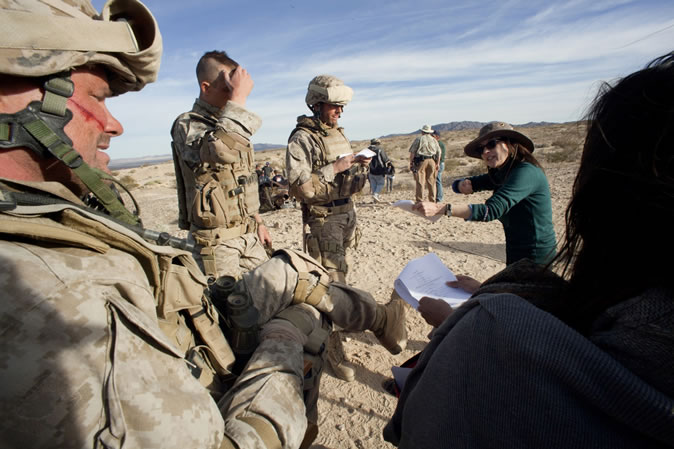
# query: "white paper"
[407,205]
[427,276]
[365,152]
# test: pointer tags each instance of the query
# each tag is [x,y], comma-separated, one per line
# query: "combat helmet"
[327,89]
[46,39]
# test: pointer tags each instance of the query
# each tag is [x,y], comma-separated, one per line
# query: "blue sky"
[409,63]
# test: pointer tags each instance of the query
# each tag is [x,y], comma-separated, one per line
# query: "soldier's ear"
[203,87]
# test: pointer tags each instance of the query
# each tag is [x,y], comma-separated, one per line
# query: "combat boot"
[337,359]
[389,325]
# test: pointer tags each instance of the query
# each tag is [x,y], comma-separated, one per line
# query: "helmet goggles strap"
[40,127]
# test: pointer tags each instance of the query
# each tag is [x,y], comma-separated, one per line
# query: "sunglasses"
[489,145]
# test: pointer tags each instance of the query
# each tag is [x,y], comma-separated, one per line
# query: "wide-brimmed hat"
[427,129]
[375,141]
[493,130]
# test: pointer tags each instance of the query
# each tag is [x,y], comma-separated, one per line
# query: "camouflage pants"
[329,240]
[272,287]
[235,256]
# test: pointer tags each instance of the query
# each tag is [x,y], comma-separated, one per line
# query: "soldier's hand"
[362,160]
[264,235]
[240,84]
[343,163]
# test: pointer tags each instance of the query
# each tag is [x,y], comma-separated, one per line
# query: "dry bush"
[129,182]
[563,155]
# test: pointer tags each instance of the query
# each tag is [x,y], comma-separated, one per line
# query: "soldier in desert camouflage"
[324,174]
[109,340]
[217,186]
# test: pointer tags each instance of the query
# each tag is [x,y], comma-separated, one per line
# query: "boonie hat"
[493,130]
[427,129]
[375,142]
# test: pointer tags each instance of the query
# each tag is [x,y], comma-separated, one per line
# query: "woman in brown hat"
[521,199]
[584,359]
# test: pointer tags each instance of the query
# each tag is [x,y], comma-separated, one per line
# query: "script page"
[427,276]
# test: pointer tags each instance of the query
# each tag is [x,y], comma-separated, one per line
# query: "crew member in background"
[441,167]
[424,154]
[377,169]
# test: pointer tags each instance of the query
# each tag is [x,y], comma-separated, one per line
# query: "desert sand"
[353,414]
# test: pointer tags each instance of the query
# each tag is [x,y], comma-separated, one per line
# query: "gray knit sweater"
[502,373]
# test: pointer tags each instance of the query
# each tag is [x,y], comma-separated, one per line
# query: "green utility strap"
[4,131]
[89,176]
[57,90]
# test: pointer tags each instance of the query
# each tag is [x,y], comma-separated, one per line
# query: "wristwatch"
[448,210]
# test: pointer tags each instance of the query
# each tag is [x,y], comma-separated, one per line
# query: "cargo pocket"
[209,209]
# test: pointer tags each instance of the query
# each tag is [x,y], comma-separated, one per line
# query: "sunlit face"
[330,113]
[90,128]
[494,152]
[92,125]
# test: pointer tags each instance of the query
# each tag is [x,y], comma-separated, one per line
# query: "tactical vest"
[331,144]
[219,195]
[177,282]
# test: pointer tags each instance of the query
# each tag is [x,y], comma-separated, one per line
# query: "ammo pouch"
[350,184]
[209,209]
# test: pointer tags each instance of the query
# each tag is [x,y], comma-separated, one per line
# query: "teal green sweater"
[521,202]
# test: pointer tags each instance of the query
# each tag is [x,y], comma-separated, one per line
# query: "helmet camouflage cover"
[328,89]
[44,37]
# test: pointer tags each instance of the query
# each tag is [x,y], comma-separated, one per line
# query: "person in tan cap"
[424,156]
[521,198]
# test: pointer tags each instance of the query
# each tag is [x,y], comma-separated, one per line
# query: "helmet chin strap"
[40,127]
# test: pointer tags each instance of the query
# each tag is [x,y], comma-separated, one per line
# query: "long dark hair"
[620,220]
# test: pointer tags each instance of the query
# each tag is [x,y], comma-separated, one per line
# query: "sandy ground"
[353,414]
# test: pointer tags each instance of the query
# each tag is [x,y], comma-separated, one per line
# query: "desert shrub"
[566,143]
[453,164]
[154,182]
[563,155]
[129,182]
[404,185]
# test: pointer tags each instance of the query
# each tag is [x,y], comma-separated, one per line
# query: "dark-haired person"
[215,170]
[584,359]
[521,199]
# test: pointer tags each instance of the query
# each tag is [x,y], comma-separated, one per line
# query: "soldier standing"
[424,154]
[108,339]
[214,161]
[324,174]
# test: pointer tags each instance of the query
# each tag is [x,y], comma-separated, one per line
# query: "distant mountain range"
[118,164]
[459,126]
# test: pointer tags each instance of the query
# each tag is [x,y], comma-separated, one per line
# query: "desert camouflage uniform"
[312,148]
[94,351]
[99,347]
[234,248]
